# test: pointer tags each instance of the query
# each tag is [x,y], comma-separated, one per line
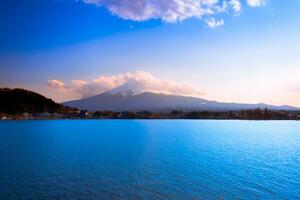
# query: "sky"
[232,50]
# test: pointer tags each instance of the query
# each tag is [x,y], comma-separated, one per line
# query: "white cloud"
[236,6]
[83,89]
[256,3]
[167,10]
[212,23]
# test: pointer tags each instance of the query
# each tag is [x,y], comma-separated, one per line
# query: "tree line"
[250,114]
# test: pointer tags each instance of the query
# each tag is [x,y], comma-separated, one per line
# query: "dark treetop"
[16,101]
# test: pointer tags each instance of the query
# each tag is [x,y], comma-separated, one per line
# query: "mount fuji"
[134,96]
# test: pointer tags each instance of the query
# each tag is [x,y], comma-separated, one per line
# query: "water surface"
[149,159]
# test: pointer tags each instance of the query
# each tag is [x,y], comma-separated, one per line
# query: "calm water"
[149,160]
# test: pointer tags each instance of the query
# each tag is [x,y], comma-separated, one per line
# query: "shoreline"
[150,119]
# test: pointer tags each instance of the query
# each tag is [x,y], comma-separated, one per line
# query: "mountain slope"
[132,97]
[15,101]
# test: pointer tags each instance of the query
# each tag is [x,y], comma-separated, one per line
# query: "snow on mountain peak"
[132,87]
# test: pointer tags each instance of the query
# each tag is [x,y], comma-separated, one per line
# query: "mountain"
[16,101]
[132,96]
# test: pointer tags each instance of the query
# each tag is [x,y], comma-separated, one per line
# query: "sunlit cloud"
[84,89]
[56,84]
[172,11]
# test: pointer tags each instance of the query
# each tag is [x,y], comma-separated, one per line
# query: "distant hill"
[15,101]
[132,96]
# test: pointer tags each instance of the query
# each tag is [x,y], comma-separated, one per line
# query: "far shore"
[252,114]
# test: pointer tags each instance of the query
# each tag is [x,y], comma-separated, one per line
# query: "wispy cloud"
[56,84]
[84,89]
[236,6]
[256,3]
[212,23]
[171,10]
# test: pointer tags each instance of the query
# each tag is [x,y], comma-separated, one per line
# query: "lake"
[149,159]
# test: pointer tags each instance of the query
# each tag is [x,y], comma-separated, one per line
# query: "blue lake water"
[149,159]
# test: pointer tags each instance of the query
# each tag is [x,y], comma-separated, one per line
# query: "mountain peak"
[131,87]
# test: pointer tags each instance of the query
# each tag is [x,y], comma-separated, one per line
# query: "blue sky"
[247,55]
